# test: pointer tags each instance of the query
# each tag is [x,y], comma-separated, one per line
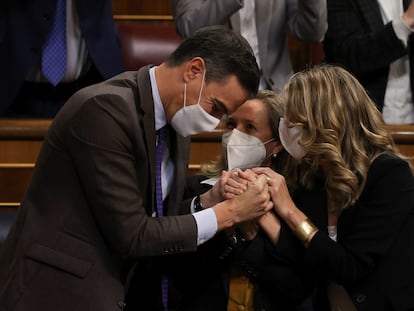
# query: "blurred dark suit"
[24,26]
[358,39]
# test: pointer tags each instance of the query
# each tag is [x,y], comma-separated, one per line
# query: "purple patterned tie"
[161,144]
[54,49]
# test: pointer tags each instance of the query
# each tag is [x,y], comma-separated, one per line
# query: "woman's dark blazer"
[374,256]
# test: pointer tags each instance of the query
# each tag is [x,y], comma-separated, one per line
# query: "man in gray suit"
[88,219]
[264,23]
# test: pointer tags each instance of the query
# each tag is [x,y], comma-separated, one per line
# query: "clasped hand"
[237,181]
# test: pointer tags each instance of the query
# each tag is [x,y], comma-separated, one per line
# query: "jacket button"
[360,298]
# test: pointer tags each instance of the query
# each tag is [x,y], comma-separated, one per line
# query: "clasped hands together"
[258,193]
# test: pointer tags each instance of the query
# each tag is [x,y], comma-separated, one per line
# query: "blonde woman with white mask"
[242,268]
[358,234]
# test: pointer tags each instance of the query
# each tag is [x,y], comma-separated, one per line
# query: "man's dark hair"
[225,53]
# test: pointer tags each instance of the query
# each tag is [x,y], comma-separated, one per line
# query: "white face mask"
[289,137]
[243,150]
[190,120]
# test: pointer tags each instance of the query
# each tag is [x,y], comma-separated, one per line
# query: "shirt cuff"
[206,224]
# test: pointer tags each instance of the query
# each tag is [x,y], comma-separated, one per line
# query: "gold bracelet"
[305,230]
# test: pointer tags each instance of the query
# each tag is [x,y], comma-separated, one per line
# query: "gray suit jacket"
[305,19]
[87,210]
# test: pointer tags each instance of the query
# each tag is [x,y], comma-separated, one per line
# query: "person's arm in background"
[307,19]
[360,45]
[190,15]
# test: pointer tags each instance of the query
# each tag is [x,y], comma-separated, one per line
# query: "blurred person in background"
[50,49]
[264,23]
[373,40]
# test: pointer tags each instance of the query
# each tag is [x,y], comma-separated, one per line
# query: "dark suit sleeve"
[357,37]
[109,153]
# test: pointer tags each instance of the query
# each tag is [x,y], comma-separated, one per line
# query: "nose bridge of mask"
[238,138]
[243,150]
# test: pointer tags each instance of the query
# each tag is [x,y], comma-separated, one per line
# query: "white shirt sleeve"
[206,224]
[401,30]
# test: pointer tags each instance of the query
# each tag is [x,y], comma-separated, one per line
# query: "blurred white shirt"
[398,101]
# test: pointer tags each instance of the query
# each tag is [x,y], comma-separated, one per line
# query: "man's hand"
[251,204]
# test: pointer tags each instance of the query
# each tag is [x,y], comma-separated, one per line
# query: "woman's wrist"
[305,231]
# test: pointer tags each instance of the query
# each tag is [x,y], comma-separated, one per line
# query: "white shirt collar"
[159,112]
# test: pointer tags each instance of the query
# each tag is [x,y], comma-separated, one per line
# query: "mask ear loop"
[272,155]
[185,93]
[201,89]
[269,140]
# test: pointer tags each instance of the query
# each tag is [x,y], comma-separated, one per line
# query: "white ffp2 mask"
[289,137]
[190,120]
[243,150]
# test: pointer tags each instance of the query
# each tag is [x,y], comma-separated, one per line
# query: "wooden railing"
[20,142]
[21,139]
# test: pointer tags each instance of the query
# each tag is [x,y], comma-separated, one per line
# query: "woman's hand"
[236,182]
[249,205]
[282,201]
[228,185]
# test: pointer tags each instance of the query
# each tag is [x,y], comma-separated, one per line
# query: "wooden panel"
[20,151]
[20,142]
[205,147]
[141,7]
[13,182]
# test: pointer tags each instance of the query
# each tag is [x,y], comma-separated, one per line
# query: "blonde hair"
[343,130]
[284,164]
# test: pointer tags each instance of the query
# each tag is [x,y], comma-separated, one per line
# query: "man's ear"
[194,67]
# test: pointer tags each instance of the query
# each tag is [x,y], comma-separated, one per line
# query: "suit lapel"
[146,110]
[178,146]
[179,149]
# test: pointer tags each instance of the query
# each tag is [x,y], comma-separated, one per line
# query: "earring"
[274,156]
